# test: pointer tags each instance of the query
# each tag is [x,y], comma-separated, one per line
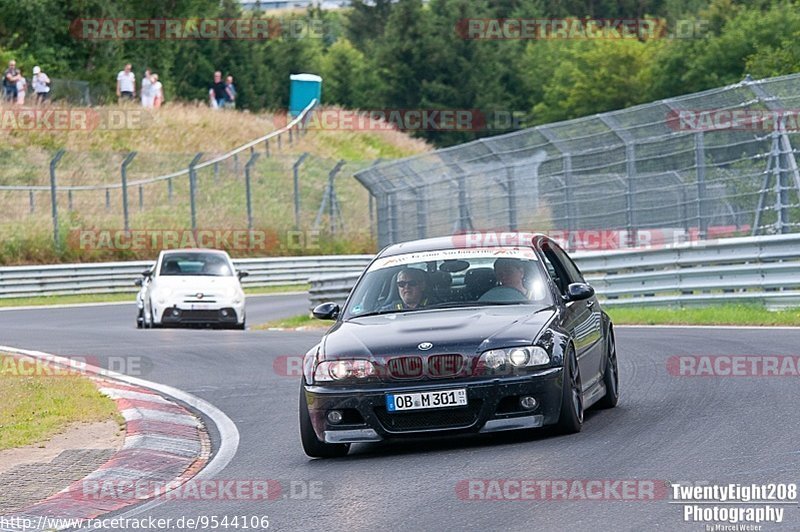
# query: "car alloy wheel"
[571,418]
[611,375]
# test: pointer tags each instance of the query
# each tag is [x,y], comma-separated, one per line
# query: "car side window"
[555,270]
[572,270]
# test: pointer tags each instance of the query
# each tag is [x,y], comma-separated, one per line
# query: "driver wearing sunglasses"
[411,286]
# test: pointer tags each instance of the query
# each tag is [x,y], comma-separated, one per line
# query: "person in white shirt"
[41,85]
[126,83]
[22,88]
[158,92]
[147,93]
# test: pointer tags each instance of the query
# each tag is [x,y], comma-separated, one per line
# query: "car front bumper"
[492,406]
[221,313]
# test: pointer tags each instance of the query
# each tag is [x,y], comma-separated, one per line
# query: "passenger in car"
[510,274]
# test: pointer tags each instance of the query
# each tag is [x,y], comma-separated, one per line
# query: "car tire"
[140,319]
[241,326]
[610,375]
[570,420]
[311,444]
[147,324]
[153,324]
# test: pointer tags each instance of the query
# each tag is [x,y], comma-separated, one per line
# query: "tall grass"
[165,142]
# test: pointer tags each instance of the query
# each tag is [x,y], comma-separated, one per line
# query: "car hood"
[468,331]
[195,283]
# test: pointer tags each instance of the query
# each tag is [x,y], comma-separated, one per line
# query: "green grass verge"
[711,315]
[294,322]
[129,296]
[36,408]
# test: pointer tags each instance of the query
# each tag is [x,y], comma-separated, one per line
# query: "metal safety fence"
[763,270]
[719,162]
[111,277]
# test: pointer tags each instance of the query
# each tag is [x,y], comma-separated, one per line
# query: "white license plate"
[415,401]
[202,306]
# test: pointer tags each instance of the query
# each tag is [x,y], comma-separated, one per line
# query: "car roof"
[194,250]
[166,252]
[474,239]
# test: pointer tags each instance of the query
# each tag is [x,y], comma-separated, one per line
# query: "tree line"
[409,54]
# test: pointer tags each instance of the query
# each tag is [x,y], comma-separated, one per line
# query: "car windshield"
[450,279]
[213,264]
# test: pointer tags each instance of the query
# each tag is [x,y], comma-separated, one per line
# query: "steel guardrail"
[111,277]
[764,269]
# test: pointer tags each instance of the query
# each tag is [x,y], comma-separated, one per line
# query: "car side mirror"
[326,311]
[579,292]
[138,282]
[147,273]
[242,274]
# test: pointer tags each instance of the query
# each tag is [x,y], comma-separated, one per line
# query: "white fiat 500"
[192,286]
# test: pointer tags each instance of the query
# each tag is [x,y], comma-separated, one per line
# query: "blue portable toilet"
[303,88]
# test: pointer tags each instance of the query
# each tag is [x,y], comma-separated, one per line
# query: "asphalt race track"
[716,430]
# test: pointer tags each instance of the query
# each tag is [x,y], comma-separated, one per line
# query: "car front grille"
[199,316]
[405,367]
[207,298]
[434,366]
[445,365]
[445,418]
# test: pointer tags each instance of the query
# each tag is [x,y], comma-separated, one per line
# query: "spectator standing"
[157,92]
[10,78]
[147,93]
[41,85]
[126,84]
[216,91]
[230,93]
[22,88]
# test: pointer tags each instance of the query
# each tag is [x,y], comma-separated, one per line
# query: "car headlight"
[515,357]
[340,370]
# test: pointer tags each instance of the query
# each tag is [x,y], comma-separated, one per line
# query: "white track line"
[228,433]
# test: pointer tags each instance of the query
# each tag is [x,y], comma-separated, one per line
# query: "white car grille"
[206,298]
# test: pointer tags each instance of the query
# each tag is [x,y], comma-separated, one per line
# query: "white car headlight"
[518,357]
[338,370]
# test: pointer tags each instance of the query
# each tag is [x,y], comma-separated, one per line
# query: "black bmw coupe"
[443,337]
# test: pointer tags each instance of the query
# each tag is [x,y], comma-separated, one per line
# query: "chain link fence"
[719,162]
[280,191]
[265,185]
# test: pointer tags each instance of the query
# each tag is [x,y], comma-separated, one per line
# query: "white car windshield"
[450,279]
[211,264]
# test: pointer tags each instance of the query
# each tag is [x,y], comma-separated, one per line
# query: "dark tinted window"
[571,269]
[212,264]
